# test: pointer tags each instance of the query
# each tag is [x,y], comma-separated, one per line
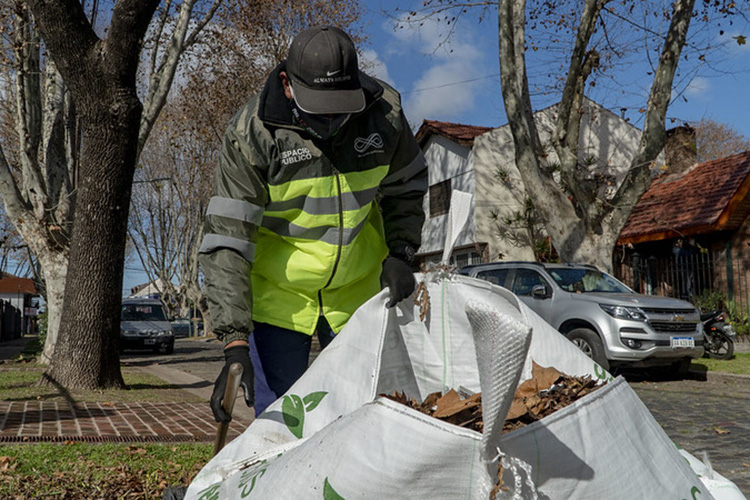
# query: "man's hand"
[399,277]
[237,354]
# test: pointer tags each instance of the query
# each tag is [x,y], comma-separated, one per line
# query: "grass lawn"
[738,365]
[97,471]
[76,470]
[18,382]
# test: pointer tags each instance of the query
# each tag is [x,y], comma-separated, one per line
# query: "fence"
[710,280]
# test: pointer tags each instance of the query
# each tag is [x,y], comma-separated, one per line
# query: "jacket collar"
[273,106]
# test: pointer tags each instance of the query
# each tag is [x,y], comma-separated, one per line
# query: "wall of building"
[607,144]
[446,160]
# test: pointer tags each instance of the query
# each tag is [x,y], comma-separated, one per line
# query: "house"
[151,290]
[17,312]
[481,161]
[706,204]
[448,151]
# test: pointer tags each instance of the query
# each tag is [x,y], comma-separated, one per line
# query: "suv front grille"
[660,312]
[672,327]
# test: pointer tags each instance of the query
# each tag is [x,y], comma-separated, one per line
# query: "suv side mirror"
[539,292]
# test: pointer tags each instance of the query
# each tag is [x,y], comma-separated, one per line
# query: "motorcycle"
[719,336]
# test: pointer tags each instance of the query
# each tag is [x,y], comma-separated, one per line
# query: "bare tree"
[582,224]
[66,183]
[167,214]
[717,140]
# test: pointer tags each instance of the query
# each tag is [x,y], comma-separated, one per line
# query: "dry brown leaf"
[452,404]
[7,463]
[517,409]
[720,430]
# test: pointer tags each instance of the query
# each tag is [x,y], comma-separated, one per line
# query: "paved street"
[709,415]
[705,416]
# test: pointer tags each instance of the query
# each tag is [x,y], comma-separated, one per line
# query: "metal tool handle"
[234,376]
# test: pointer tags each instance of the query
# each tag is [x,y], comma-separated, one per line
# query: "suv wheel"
[589,342]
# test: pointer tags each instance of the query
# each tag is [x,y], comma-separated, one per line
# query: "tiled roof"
[457,132]
[708,197]
[14,284]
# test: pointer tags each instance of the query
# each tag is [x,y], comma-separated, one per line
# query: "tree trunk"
[101,76]
[87,353]
[55,268]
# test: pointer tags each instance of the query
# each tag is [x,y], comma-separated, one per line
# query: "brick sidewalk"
[51,421]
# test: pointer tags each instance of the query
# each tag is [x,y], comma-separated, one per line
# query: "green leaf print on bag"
[293,409]
[329,493]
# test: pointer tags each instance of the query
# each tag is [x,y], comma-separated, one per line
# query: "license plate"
[682,342]
[729,330]
[149,341]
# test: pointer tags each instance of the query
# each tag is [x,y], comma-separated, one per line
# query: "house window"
[440,198]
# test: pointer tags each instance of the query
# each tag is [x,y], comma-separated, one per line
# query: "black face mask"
[321,127]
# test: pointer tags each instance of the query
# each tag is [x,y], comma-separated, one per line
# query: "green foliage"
[716,300]
[710,300]
[738,365]
[20,382]
[738,318]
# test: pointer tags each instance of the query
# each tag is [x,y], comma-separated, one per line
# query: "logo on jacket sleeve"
[295,155]
[372,142]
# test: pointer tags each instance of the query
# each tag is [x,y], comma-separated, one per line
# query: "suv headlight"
[624,312]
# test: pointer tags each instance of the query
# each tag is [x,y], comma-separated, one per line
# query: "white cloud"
[698,87]
[444,90]
[375,66]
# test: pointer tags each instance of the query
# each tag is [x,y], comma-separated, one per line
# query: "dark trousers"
[280,357]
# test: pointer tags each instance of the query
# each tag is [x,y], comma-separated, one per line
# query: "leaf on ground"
[721,430]
[7,463]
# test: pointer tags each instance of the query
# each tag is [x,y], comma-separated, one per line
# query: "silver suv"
[607,320]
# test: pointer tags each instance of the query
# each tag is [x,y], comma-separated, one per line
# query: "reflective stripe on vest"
[305,208]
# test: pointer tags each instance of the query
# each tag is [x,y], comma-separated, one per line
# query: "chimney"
[680,149]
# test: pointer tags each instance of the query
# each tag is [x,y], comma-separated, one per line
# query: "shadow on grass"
[48,381]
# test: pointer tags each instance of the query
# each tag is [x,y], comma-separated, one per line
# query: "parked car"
[144,325]
[602,316]
[182,327]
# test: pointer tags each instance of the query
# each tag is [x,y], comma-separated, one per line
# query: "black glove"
[238,354]
[399,277]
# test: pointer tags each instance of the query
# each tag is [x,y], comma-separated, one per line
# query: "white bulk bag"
[331,437]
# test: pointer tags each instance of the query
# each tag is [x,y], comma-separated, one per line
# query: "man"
[318,193]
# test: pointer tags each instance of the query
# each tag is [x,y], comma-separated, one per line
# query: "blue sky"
[460,81]
[463,85]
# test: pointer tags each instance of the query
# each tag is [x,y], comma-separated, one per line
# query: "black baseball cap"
[324,72]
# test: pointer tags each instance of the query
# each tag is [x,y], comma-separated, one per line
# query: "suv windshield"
[586,280]
[142,312]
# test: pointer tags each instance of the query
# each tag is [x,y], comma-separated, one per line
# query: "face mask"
[321,127]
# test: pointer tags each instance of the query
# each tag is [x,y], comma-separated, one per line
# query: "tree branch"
[130,19]
[567,127]
[66,31]
[654,129]
[15,206]
[161,79]
[28,109]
